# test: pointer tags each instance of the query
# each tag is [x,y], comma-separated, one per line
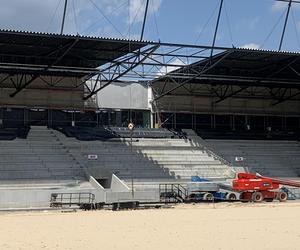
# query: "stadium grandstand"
[66,102]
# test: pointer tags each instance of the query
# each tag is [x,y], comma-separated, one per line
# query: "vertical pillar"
[64,17]
[118,118]
[26,117]
[97,117]
[285,24]
[232,120]
[213,121]
[1,117]
[73,119]
[174,121]
[193,125]
[152,119]
[50,119]
[247,123]
[283,123]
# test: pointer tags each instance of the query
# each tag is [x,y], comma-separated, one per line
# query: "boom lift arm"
[254,187]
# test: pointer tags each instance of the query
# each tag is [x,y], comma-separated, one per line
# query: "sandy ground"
[204,226]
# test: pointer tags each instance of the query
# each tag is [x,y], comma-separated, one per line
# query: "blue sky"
[243,22]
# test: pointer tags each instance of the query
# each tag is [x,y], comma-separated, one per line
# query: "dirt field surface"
[202,226]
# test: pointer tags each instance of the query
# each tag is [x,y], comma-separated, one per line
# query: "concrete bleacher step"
[40,156]
[270,158]
[146,158]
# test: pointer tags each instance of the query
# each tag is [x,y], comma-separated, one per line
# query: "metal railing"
[172,193]
[71,199]
[200,143]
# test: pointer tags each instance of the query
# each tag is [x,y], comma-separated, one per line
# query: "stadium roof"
[243,67]
[23,52]
[236,67]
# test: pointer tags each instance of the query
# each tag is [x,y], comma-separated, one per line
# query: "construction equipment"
[210,191]
[254,187]
[200,189]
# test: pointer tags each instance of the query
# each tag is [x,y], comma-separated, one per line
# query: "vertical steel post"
[64,17]
[145,18]
[285,24]
[217,27]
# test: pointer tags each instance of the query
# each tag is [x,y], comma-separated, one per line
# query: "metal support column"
[144,22]
[217,27]
[64,17]
[285,24]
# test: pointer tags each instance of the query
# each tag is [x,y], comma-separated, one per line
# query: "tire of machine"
[208,197]
[243,198]
[231,197]
[282,196]
[257,197]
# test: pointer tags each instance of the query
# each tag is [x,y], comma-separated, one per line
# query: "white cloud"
[253,23]
[46,15]
[176,64]
[137,9]
[26,15]
[278,6]
[251,46]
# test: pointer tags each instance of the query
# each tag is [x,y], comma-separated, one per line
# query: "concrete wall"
[46,91]
[100,192]
[117,185]
[142,196]
[44,98]
[33,197]
[124,96]
[204,104]
[202,98]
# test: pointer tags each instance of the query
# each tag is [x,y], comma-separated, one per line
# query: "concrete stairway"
[41,156]
[33,168]
[148,161]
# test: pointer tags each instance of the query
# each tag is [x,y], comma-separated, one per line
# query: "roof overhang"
[241,67]
[59,55]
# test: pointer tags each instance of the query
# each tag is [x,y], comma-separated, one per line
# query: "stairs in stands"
[32,169]
[148,161]
[41,156]
[182,159]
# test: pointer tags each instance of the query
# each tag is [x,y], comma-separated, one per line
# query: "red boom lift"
[258,188]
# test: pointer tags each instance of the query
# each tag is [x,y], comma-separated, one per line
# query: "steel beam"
[285,24]
[64,17]
[216,29]
[223,98]
[144,21]
[226,54]
[120,74]
[285,99]
[45,69]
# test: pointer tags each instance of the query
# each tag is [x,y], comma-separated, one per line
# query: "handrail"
[173,191]
[197,140]
[59,199]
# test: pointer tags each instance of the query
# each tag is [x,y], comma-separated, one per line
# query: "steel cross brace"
[120,69]
[284,99]
[233,93]
[206,68]
[34,77]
